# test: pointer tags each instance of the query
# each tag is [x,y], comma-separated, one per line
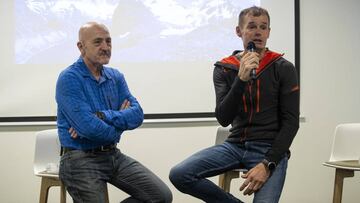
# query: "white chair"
[225,179]
[46,163]
[344,155]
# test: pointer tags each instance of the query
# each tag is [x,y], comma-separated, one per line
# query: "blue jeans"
[85,175]
[190,175]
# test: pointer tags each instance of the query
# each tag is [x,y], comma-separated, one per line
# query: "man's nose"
[257,32]
[105,45]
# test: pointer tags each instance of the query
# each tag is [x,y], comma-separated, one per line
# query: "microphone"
[251,48]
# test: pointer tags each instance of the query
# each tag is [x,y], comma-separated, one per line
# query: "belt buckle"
[103,149]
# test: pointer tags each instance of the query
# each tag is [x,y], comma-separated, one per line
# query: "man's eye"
[252,25]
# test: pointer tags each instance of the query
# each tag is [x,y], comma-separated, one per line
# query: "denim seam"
[227,167]
[70,177]
[142,194]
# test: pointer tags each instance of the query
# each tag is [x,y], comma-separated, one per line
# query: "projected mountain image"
[142,31]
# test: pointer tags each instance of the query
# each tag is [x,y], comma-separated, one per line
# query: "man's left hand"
[73,133]
[255,179]
[125,104]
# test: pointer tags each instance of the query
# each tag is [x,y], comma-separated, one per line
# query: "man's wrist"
[269,165]
[100,115]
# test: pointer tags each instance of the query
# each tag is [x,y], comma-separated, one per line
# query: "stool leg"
[44,190]
[106,195]
[46,183]
[62,193]
[222,181]
[225,179]
[340,174]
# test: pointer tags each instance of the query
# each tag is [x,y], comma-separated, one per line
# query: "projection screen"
[165,48]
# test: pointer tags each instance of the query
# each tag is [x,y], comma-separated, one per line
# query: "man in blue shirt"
[95,107]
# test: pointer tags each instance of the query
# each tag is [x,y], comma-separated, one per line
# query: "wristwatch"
[269,164]
[100,115]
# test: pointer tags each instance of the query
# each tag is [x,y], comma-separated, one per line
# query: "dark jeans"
[190,175]
[85,175]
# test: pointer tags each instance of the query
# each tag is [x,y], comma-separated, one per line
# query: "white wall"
[330,36]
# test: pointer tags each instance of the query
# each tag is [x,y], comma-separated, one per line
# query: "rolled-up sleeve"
[73,104]
[126,119]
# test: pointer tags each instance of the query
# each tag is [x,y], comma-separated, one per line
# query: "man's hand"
[255,179]
[73,133]
[125,105]
[249,61]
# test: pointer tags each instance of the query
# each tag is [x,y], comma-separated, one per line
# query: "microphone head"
[251,46]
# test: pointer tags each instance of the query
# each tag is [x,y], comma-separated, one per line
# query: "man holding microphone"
[263,110]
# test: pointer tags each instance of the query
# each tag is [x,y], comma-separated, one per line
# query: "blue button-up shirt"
[79,95]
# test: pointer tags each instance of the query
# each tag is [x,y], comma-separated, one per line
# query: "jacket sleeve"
[75,107]
[289,112]
[228,98]
[129,118]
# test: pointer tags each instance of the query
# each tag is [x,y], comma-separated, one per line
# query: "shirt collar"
[84,71]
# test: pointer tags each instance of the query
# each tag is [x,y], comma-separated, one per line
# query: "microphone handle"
[253,74]
[253,71]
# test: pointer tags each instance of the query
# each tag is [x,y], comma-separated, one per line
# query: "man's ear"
[80,47]
[238,31]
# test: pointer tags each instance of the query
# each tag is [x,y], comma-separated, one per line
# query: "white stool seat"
[344,155]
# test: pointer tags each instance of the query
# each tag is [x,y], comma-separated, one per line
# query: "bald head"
[88,28]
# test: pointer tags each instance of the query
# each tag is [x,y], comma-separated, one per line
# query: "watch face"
[100,115]
[271,166]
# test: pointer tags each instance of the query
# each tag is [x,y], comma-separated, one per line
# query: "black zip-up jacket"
[265,109]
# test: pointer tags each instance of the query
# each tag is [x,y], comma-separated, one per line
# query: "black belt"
[105,148]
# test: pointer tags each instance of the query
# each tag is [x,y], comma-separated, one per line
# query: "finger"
[250,192]
[257,186]
[240,55]
[249,55]
[253,54]
[73,134]
[246,192]
[253,60]
[250,189]
[122,106]
[70,130]
[127,104]
[245,57]
[242,187]
[245,184]
[253,66]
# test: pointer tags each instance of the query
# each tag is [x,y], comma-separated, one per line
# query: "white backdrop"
[166,49]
